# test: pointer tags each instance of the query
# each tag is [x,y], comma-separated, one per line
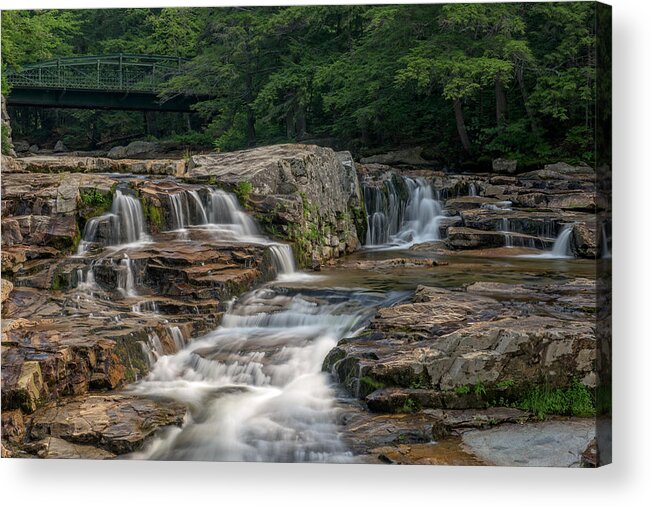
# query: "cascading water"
[402,218]
[562,245]
[605,251]
[385,210]
[180,210]
[125,222]
[224,211]
[506,230]
[254,387]
[472,190]
[283,259]
[177,336]
[126,278]
[561,248]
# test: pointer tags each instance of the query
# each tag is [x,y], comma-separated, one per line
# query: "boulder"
[13,426]
[409,156]
[21,146]
[59,147]
[135,149]
[7,146]
[7,287]
[304,194]
[434,351]
[469,202]
[117,423]
[584,201]
[539,444]
[504,165]
[583,242]
[34,148]
[57,448]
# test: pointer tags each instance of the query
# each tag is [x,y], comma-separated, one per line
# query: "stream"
[254,387]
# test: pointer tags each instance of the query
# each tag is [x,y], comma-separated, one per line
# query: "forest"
[468,82]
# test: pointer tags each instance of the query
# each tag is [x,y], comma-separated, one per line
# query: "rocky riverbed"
[145,300]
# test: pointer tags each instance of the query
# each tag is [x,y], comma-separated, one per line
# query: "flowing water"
[562,247]
[402,213]
[125,224]
[254,387]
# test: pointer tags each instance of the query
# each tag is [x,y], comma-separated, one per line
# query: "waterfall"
[223,209]
[402,218]
[153,348]
[177,336]
[130,220]
[126,223]
[472,189]
[283,259]
[199,209]
[385,210]
[255,386]
[145,306]
[126,278]
[506,230]
[180,210]
[86,281]
[90,233]
[605,251]
[561,248]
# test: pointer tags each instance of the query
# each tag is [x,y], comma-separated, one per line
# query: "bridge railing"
[121,72]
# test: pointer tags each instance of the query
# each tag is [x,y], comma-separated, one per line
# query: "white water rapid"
[402,213]
[254,387]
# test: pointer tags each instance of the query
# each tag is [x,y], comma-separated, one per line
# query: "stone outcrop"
[503,165]
[435,351]
[99,426]
[407,157]
[135,149]
[46,210]
[5,127]
[307,195]
[83,164]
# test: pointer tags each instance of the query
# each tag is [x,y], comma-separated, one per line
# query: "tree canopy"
[469,82]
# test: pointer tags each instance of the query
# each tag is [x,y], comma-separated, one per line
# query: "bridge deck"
[123,81]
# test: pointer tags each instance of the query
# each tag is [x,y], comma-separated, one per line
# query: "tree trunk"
[500,102]
[301,122]
[525,97]
[289,124]
[250,127]
[461,126]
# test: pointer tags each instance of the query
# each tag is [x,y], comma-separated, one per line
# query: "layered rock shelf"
[109,264]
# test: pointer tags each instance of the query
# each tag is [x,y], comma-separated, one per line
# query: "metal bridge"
[122,81]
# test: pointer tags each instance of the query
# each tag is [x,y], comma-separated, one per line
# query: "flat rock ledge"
[98,426]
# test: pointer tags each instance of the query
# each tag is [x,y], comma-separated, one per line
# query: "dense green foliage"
[467,81]
[542,400]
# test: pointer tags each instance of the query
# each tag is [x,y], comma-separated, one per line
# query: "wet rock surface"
[427,374]
[434,351]
[114,423]
[78,325]
[534,444]
[304,194]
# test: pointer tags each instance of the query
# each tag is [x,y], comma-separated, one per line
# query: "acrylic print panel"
[342,234]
